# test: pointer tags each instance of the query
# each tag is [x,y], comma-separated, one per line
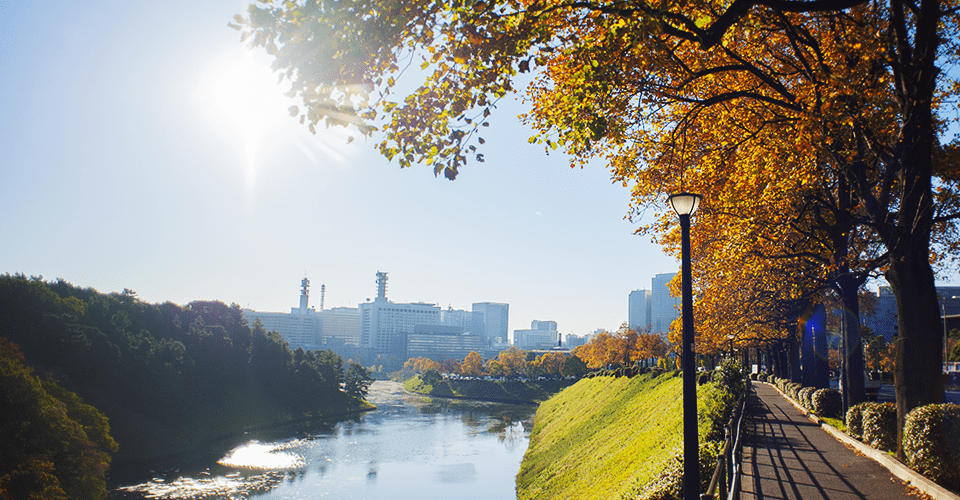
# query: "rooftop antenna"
[304,294]
[381,285]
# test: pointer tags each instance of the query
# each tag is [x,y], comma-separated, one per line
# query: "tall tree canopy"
[823,115]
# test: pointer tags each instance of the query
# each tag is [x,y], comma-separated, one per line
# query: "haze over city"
[146,148]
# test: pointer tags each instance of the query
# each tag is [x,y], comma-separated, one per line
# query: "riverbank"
[150,440]
[607,437]
[506,391]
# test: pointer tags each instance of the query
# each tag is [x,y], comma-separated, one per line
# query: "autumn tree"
[472,365]
[709,96]
[512,360]
[551,363]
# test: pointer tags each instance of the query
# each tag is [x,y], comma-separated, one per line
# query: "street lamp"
[685,204]
[731,336]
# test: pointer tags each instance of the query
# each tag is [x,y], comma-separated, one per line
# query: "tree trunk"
[851,354]
[918,373]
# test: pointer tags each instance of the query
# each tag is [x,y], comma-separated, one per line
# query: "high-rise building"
[384,325]
[638,312]
[663,307]
[491,320]
[300,328]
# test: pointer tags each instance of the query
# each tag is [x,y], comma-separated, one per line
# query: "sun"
[240,94]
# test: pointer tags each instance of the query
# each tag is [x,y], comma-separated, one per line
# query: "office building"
[541,335]
[663,307]
[300,328]
[491,319]
[638,312]
[385,325]
[340,325]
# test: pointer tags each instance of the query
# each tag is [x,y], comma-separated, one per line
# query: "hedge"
[931,443]
[880,426]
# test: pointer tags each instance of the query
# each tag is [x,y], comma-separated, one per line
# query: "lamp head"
[684,203]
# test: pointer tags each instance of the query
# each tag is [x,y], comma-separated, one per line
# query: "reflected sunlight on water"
[188,488]
[256,455]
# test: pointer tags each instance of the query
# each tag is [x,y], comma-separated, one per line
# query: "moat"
[410,447]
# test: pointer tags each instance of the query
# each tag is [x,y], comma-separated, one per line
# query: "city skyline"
[147,149]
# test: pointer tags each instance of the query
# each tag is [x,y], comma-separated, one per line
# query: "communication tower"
[323,291]
[304,294]
[381,285]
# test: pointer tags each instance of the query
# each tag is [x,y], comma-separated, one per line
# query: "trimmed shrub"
[792,388]
[827,403]
[931,443]
[854,419]
[703,378]
[803,397]
[729,377]
[880,426]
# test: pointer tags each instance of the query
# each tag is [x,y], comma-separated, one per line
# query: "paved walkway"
[787,456]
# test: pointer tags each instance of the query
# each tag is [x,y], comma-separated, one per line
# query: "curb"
[896,467]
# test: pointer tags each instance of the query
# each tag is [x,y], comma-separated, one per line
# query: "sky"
[142,146]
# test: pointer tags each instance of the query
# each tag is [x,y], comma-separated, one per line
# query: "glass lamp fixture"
[684,203]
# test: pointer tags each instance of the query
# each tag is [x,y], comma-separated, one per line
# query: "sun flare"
[241,95]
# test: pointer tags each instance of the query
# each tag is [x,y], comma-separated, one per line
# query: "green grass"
[603,438]
[835,422]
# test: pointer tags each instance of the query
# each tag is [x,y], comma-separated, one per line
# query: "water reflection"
[410,447]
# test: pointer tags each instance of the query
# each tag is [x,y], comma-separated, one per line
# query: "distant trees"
[621,348]
[357,380]
[188,369]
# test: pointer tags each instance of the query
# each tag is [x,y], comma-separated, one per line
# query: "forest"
[87,378]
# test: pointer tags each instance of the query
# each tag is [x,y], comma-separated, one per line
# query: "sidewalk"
[787,456]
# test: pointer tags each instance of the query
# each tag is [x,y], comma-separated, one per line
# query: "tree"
[551,363]
[55,446]
[472,365]
[573,367]
[683,96]
[357,381]
[513,360]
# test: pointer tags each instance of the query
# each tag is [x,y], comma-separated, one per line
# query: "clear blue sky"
[131,157]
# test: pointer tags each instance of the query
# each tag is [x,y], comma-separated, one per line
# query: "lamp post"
[685,204]
[731,336]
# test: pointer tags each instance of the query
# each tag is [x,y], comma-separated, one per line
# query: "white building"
[541,335]
[384,325]
[340,324]
[300,328]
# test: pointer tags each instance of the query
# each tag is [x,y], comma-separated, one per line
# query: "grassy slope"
[602,437]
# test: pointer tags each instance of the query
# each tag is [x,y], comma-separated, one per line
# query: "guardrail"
[726,477]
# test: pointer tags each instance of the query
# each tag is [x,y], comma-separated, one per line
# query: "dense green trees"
[167,376]
[53,445]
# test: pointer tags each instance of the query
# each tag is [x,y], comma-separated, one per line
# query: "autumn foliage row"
[510,363]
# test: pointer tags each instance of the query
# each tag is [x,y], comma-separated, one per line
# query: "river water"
[411,447]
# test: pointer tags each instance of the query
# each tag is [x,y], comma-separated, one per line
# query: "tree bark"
[852,347]
[918,374]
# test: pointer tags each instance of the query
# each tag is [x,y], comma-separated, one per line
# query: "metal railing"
[726,477]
